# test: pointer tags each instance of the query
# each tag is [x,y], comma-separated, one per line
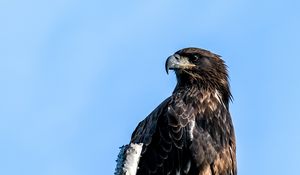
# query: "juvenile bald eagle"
[191,132]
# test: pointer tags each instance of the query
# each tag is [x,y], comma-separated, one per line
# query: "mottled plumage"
[191,132]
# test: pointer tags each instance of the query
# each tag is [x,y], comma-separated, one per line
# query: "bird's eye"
[194,57]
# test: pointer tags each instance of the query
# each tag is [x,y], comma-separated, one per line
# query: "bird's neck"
[191,87]
[202,93]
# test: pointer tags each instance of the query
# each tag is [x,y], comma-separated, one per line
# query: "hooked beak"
[177,62]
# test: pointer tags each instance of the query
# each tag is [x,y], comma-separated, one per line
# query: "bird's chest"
[198,110]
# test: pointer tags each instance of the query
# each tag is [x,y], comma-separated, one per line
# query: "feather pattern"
[191,132]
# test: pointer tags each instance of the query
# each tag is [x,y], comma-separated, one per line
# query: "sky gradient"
[77,77]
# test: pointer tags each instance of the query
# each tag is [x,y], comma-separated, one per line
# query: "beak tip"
[167,66]
[167,69]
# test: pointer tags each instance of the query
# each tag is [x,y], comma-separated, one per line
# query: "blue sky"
[77,76]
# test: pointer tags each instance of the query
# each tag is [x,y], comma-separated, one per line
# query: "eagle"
[191,132]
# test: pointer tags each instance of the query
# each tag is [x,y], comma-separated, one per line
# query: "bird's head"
[194,66]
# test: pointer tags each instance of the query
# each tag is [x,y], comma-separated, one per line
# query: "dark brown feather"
[191,132]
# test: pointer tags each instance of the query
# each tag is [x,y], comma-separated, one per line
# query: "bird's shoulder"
[145,129]
[175,111]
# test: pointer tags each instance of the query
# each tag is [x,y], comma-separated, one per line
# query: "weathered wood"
[128,159]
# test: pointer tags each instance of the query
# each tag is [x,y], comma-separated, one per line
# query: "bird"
[191,132]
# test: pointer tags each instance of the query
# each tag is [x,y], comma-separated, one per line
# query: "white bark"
[128,159]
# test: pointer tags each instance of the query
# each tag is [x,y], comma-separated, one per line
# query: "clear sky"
[78,75]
